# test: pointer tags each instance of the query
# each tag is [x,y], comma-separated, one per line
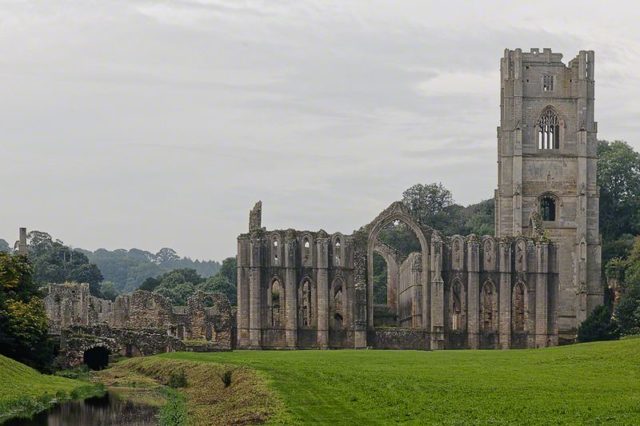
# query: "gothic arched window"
[548,130]
[305,304]
[275,302]
[548,208]
[488,308]
[519,307]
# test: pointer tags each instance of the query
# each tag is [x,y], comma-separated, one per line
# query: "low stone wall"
[75,341]
[399,338]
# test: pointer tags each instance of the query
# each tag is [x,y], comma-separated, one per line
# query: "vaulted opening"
[96,358]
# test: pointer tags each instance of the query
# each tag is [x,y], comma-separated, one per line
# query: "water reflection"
[103,411]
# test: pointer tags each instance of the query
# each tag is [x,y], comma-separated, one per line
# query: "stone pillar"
[542,309]
[437,294]
[322,257]
[291,293]
[505,294]
[255,293]
[243,293]
[22,242]
[473,293]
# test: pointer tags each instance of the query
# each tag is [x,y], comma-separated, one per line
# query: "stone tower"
[547,162]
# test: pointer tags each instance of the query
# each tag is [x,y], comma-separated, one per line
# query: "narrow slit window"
[548,208]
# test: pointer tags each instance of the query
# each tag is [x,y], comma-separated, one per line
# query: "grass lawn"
[589,383]
[24,391]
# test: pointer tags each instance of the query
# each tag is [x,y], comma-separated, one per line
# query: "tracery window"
[548,208]
[548,130]
[547,83]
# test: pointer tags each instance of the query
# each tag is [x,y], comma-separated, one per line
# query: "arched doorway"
[96,358]
[416,263]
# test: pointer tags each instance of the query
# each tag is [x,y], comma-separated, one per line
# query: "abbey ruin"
[141,323]
[530,285]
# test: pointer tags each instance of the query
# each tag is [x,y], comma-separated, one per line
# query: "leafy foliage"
[128,269]
[619,182]
[4,246]
[598,326]
[178,285]
[23,321]
[53,262]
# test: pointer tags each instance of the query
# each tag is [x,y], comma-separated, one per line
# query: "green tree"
[221,284]
[108,290]
[4,246]
[598,326]
[23,321]
[229,269]
[427,202]
[619,181]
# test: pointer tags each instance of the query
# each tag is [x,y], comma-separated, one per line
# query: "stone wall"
[207,317]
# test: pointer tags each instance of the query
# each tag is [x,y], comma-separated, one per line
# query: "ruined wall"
[300,289]
[207,317]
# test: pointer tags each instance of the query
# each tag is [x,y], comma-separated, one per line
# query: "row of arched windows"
[307,251]
[306,304]
[488,308]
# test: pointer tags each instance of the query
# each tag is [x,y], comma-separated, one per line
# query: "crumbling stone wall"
[76,340]
[207,317]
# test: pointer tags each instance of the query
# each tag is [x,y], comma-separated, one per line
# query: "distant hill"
[127,269]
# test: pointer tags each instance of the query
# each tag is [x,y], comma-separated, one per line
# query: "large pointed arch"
[398,212]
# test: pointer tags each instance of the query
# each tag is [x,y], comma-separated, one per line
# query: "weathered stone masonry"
[141,323]
[529,286]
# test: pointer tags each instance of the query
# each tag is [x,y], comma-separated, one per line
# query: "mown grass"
[24,391]
[594,383]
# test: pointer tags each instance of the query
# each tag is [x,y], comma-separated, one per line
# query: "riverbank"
[205,393]
[24,391]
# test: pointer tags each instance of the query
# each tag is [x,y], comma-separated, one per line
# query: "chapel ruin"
[530,285]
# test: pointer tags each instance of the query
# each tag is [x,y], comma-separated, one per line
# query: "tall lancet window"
[548,130]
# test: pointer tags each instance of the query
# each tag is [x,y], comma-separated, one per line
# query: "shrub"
[226,378]
[174,412]
[177,379]
[598,326]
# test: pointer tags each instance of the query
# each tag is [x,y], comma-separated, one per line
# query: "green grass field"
[581,384]
[24,391]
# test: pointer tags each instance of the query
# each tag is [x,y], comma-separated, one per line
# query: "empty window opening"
[519,308]
[276,289]
[306,304]
[548,131]
[547,83]
[548,208]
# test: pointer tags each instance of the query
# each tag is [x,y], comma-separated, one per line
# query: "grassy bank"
[581,384]
[214,393]
[24,391]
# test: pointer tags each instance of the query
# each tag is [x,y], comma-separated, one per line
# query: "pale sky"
[156,124]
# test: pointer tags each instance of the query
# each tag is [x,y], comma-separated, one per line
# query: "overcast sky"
[156,124]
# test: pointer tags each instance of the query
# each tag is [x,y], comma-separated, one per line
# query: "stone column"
[505,294]
[542,310]
[322,245]
[437,294]
[22,242]
[242,286]
[473,290]
[255,293]
[291,293]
